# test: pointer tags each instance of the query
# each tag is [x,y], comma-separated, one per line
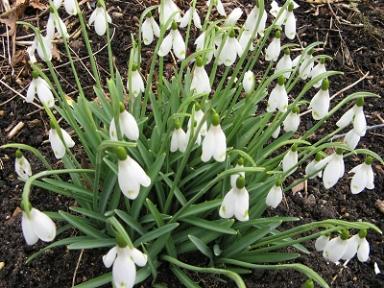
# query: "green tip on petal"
[363,233]
[368,160]
[319,156]
[360,102]
[240,182]
[199,62]
[339,151]
[215,119]
[281,80]
[240,161]
[177,124]
[278,34]
[325,84]
[174,25]
[121,107]
[344,234]
[308,284]
[232,33]
[35,74]
[287,51]
[18,154]
[121,153]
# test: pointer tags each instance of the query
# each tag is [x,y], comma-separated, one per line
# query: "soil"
[357,49]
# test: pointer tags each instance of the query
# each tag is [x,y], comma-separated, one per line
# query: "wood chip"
[15,130]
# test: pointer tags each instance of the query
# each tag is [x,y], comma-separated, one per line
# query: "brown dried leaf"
[55,52]
[19,57]
[322,1]
[10,17]
[38,5]
[298,187]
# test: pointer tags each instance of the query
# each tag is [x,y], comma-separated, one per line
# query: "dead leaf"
[298,187]
[380,205]
[19,57]
[55,52]
[322,1]
[10,17]
[38,5]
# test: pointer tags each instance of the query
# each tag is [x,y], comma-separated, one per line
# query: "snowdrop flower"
[191,14]
[290,23]
[236,202]
[321,242]
[150,29]
[59,146]
[334,169]
[275,10]
[130,175]
[240,164]
[31,53]
[318,70]
[273,50]
[363,178]
[201,44]
[70,7]
[307,65]
[43,48]
[173,41]
[285,62]
[335,248]
[245,38]
[40,87]
[179,139]
[249,82]
[22,166]
[315,165]
[363,248]
[321,101]
[276,133]
[123,259]
[214,143]
[233,17]
[292,122]
[219,6]
[167,10]
[278,99]
[351,139]
[198,118]
[230,50]
[127,123]
[275,195]
[290,160]
[251,21]
[135,83]
[37,225]
[352,245]
[55,24]
[200,80]
[356,116]
[100,19]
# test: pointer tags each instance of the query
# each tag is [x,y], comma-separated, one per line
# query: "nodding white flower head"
[130,175]
[363,248]
[31,52]
[37,225]
[245,38]
[200,80]
[55,24]
[198,118]
[249,82]
[169,10]
[240,164]
[123,260]
[278,99]
[351,139]
[321,242]
[179,139]
[149,29]
[315,167]
[173,41]
[219,6]
[276,133]
[292,122]
[190,15]
[251,21]
[363,178]
[43,48]
[236,202]
[275,11]
[306,65]
[352,245]
[275,195]
[233,17]
[214,143]
[70,7]
[356,116]
[290,160]
[202,43]
[321,101]
[318,70]
[285,62]
[335,248]
[290,23]
[100,18]
[127,123]
[135,83]
[273,50]
[230,50]
[334,168]
[58,145]
[40,87]
[22,166]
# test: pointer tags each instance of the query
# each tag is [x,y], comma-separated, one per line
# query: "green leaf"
[216,226]
[256,257]
[92,243]
[156,233]
[183,278]
[82,224]
[203,248]
[130,221]
[89,213]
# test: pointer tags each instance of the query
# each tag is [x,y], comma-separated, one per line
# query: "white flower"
[376,268]
[278,99]
[318,70]
[352,244]
[334,169]
[128,127]
[274,197]
[356,116]
[149,30]
[201,44]
[200,79]
[100,18]
[198,117]
[275,10]
[276,133]
[191,14]
[312,167]
[251,21]
[173,41]
[285,62]
[236,202]
[167,10]
[230,50]
[22,166]
[249,82]
[57,3]
[320,102]
[290,160]
[57,144]
[363,178]
[40,87]
[363,250]
[306,66]
[321,242]
[244,39]
[135,83]
[131,176]
[45,46]
[219,6]
[37,225]
[335,249]
[292,122]
[233,17]
[290,23]
[179,140]
[351,139]
[123,260]
[273,50]
[214,143]
[31,52]
[56,24]
[70,7]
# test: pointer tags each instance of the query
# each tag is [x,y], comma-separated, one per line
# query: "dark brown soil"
[357,49]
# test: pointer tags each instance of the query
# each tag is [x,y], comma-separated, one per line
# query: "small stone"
[310,201]
[2,264]
[379,204]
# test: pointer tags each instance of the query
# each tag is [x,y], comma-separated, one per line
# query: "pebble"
[310,201]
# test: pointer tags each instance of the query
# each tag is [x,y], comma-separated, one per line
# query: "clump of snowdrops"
[189,163]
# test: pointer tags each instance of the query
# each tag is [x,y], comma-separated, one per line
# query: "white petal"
[311,168]
[155,27]
[273,50]
[278,99]
[113,131]
[290,160]
[57,145]
[371,178]
[128,183]
[28,231]
[221,144]
[123,272]
[220,8]
[70,7]
[23,168]
[242,204]
[321,242]
[208,148]
[233,17]
[57,3]
[128,126]
[178,45]
[306,66]
[31,91]
[45,47]
[316,71]
[290,26]
[43,226]
[227,208]
[335,249]
[44,93]
[359,122]
[200,81]
[137,83]
[291,122]
[138,257]
[50,26]
[359,180]
[110,257]
[346,118]
[67,139]
[332,173]
[186,18]
[92,18]
[351,250]
[140,174]
[196,20]
[147,32]
[320,104]
[249,82]
[285,62]
[274,197]
[363,250]
[352,139]
[228,53]
[179,140]
[100,21]
[276,133]
[166,45]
